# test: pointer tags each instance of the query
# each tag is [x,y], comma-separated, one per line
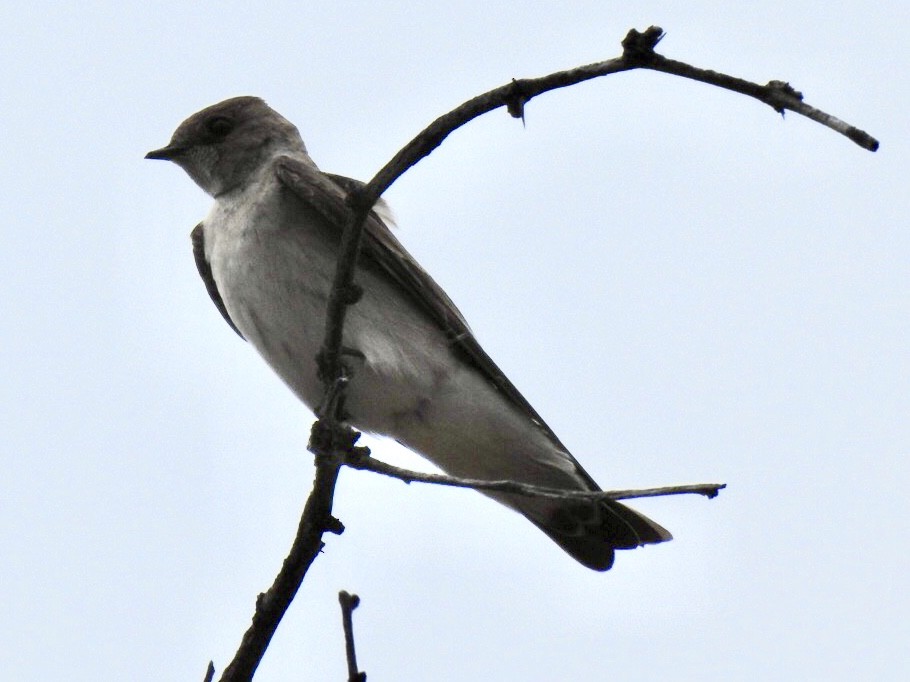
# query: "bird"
[267,251]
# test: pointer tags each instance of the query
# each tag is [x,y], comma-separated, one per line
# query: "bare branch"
[270,606]
[638,53]
[777,94]
[333,442]
[780,95]
[365,463]
[210,672]
[349,602]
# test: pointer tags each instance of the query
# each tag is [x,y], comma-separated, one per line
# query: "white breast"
[272,272]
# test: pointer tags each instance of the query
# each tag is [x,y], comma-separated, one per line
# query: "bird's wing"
[205,271]
[382,251]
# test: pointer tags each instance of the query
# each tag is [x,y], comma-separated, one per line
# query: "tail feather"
[591,532]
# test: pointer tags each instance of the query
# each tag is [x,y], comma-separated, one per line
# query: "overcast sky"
[687,287]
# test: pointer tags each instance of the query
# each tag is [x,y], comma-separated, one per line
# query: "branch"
[316,519]
[366,463]
[332,441]
[638,53]
[349,602]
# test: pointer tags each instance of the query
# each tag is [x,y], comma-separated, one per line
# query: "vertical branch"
[349,602]
[270,606]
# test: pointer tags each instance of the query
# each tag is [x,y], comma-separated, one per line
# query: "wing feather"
[205,271]
[382,250]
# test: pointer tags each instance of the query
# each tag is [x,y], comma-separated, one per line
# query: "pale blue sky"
[685,286]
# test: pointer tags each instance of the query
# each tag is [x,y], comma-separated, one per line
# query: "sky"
[686,286]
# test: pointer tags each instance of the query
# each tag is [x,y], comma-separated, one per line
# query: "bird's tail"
[591,531]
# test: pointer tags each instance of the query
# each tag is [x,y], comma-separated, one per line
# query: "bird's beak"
[166,153]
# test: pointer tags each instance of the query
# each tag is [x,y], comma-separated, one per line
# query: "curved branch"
[638,53]
[779,95]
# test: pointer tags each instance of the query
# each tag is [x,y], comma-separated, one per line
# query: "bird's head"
[224,144]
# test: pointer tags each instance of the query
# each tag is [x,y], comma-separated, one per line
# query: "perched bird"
[267,252]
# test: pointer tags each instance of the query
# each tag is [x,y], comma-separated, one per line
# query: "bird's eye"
[220,126]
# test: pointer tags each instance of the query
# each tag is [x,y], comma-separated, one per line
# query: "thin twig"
[362,463]
[779,95]
[210,672]
[349,602]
